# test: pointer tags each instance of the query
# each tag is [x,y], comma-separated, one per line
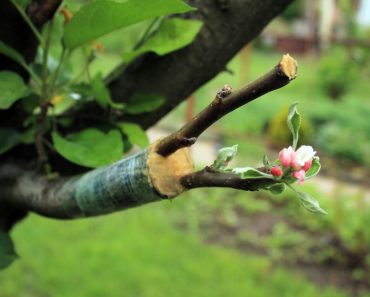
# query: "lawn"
[138,253]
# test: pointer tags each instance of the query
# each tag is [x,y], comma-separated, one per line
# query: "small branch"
[42,11]
[209,177]
[39,138]
[29,23]
[227,101]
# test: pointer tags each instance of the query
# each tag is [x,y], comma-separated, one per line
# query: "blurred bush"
[337,72]
[280,136]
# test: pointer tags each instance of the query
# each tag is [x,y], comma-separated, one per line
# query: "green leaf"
[90,147]
[61,103]
[102,94]
[7,251]
[23,3]
[11,53]
[294,122]
[98,18]
[28,136]
[250,173]
[309,203]
[277,189]
[141,102]
[12,88]
[224,156]
[135,134]
[14,55]
[315,168]
[9,138]
[266,161]
[173,34]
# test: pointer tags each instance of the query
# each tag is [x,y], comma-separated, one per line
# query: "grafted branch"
[227,101]
[148,176]
[209,177]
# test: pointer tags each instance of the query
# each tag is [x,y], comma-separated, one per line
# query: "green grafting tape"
[121,185]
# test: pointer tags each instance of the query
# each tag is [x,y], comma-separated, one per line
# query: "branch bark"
[226,101]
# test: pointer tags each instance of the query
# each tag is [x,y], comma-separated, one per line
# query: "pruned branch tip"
[227,101]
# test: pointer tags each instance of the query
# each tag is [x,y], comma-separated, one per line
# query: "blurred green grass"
[138,253]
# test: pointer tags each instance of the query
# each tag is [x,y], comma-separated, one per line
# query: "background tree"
[34,143]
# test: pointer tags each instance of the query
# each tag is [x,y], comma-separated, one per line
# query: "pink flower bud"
[304,154]
[286,156]
[307,165]
[300,175]
[276,171]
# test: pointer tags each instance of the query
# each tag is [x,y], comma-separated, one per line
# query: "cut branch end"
[289,66]
[227,101]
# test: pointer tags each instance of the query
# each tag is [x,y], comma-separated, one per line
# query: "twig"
[39,143]
[227,101]
[209,177]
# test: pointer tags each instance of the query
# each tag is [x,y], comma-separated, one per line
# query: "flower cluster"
[297,162]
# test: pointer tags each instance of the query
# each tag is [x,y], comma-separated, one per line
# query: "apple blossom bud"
[300,175]
[276,171]
[307,165]
[286,156]
[304,154]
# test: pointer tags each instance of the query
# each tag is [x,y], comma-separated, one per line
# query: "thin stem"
[143,38]
[45,58]
[29,22]
[209,177]
[32,74]
[227,101]
[57,70]
[116,72]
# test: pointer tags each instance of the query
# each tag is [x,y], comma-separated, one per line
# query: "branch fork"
[225,102]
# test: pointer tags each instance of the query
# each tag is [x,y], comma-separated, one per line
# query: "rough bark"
[228,26]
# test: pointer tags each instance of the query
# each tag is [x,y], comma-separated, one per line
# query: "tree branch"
[209,177]
[162,171]
[226,101]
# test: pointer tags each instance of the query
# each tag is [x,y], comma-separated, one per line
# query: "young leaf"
[12,88]
[250,173]
[294,122]
[141,102]
[315,168]
[11,53]
[310,203]
[102,94]
[266,161]
[173,34]
[7,252]
[98,18]
[135,134]
[9,138]
[224,156]
[14,55]
[90,147]
[307,201]
[277,189]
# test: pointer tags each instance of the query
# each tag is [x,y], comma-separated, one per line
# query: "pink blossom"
[303,155]
[276,171]
[307,165]
[286,156]
[300,175]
